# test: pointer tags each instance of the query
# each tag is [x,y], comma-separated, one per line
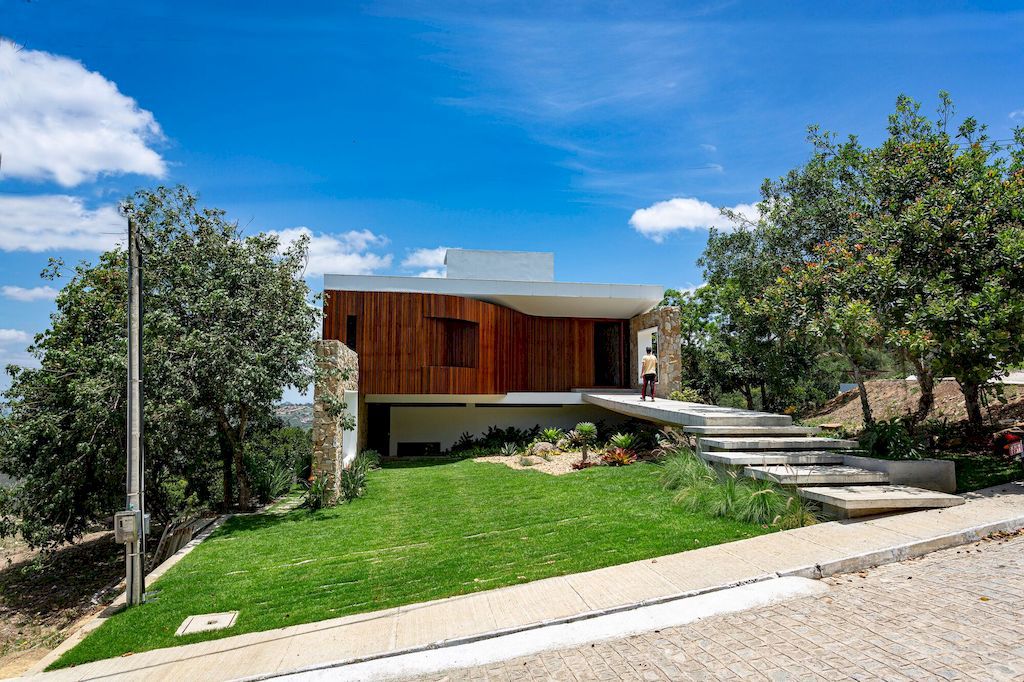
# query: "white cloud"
[50,222]
[1019,113]
[59,121]
[45,293]
[8,336]
[709,147]
[685,213]
[425,258]
[346,253]
[430,259]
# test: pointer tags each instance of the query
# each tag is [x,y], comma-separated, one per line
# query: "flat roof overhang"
[543,299]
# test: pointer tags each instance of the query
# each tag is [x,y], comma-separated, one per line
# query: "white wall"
[445,424]
[349,437]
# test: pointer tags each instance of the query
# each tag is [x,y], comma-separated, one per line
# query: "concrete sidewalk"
[814,551]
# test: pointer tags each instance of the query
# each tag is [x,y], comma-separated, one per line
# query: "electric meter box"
[127,525]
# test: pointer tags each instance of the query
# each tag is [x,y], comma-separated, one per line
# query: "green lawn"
[421,533]
[975,471]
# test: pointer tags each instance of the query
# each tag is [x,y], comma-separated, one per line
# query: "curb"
[90,623]
[852,564]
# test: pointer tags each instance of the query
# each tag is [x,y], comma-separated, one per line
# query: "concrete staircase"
[768,446]
[816,466]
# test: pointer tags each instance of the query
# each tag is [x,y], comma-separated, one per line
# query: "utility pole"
[135,543]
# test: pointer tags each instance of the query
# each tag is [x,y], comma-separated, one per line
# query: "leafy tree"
[946,245]
[227,327]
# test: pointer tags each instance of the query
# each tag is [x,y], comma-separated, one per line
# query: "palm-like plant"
[585,435]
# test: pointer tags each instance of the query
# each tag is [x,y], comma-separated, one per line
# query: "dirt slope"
[892,398]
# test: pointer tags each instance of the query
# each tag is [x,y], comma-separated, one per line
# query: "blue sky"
[608,133]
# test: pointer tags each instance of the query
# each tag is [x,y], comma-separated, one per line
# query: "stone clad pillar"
[670,356]
[337,384]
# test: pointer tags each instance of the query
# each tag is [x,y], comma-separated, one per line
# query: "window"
[458,343]
[351,330]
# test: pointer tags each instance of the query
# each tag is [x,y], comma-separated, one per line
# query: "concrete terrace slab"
[752,430]
[816,474]
[753,443]
[676,413]
[815,551]
[727,458]
[851,501]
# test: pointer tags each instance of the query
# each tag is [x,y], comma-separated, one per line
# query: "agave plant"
[509,450]
[625,441]
[551,435]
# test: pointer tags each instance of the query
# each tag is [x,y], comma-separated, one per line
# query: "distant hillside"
[296,414]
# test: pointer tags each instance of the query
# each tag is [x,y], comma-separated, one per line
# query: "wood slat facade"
[412,343]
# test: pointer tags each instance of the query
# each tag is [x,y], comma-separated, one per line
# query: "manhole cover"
[206,622]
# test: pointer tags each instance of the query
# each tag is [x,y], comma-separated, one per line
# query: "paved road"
[955,615]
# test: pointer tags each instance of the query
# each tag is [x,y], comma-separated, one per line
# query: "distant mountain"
[295,414]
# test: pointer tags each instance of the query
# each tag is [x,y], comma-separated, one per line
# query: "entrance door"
[608,347]
[645,338]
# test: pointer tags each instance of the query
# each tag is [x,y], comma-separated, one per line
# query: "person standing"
[648,373]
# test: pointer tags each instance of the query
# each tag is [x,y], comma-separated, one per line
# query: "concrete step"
[845,502]
[816,474]
[742,459]
[786,443]
[752,430]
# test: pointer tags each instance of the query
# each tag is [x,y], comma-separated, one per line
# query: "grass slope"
[421,533]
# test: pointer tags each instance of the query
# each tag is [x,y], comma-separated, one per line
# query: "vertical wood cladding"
[434,343]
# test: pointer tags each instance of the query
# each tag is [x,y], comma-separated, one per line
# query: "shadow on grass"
[60,585]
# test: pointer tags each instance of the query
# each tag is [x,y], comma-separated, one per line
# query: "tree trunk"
[926,382]
[972,401]
[226,460]
[865,404]
[232,450]
[748,394]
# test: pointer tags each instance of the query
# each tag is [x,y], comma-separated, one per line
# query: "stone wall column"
[670,357]
[337,371]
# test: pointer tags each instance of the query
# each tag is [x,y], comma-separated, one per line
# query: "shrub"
[797,512]
[525,461]
[686,395]
[509,450]
[551,435]
[683,469]
[891,439]
[373,458]
[626,441]
[618,457]
[317,494]
[352,479]
[762,503]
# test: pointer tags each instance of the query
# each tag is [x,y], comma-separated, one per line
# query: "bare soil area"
[43,596]
[892,398]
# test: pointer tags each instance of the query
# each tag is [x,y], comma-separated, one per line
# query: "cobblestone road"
[954,615]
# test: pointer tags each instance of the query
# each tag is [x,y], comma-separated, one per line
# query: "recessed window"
[351,331]
[458,343]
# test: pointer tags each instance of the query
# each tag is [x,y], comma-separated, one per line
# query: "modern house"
[496,342]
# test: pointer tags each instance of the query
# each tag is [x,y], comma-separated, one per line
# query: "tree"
[946,244]
[227,327]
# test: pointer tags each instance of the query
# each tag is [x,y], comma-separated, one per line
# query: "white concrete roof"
[544,299]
